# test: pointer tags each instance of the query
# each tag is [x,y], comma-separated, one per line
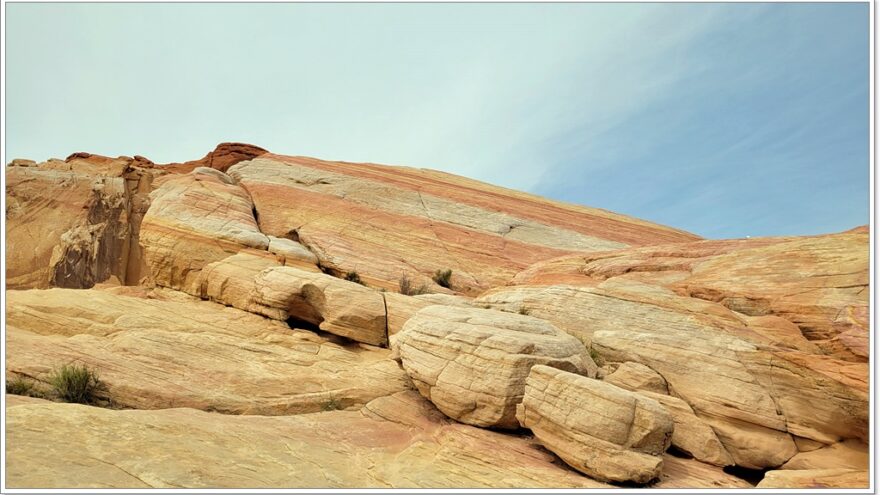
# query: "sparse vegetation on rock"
[76,383]
[408,288]
[353,276]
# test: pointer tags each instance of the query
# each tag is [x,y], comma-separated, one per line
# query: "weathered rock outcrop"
[601,430]
[385,221]
[820,283]
[256,282]
[74,223]
[472,363]
[692,435]
[159,348]
[758,394]
[196,219]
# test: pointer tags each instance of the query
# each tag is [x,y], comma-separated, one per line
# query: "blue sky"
[727,120]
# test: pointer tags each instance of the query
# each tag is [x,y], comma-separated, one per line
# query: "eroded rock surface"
[160,349]
[599,429]
[472,363]
[385,221]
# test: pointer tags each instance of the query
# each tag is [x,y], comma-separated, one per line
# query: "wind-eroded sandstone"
[472,363]
[160,349]
[597,428]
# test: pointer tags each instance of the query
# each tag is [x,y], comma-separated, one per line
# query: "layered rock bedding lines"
[267,321]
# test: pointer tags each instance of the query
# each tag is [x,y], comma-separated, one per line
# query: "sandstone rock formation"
[210,296]
[385,221]
[158,349]
[601,430]
[637,377]
[472,363]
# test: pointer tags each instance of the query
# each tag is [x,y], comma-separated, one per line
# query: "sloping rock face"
[158,349]
[472,363]
[386,221]
[599,429]
[398,441]
[820,284]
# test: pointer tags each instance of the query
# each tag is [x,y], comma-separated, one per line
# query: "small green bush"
[441,277]
[20,386]
[407,287]
[76,383]
[353,276]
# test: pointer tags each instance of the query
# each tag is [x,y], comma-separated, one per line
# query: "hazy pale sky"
[726,120]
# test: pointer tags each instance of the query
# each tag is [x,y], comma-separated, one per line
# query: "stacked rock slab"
[472,363]
[606,432]
[255,281]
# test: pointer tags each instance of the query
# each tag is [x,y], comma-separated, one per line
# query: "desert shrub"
[441,278]
[408,288]
[523,311]
[353,276]
[20,386]
[76,383]
[332,405]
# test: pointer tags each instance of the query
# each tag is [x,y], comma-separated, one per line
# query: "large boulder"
[599,429]
[472,363]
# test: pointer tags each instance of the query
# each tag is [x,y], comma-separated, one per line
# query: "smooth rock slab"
[606,432]
[161,348]
[472,363]
[399,441]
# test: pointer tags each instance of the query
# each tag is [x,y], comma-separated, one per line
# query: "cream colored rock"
[815,478]
[473,363]
[194,220]
[850,454]
[336,306]
[756,395]
[692,435]
[159,349]
[293,253]
[399,441]
[637,377]
[254,281]
[400,309]
[602,430]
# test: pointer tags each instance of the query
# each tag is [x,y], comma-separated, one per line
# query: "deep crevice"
[750,476]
